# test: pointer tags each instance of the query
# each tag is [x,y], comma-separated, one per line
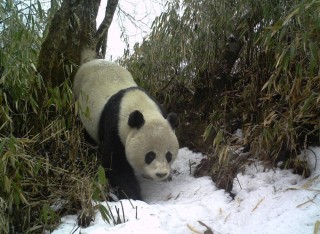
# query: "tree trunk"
[73,28]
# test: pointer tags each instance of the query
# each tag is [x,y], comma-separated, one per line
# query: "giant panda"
[134,133]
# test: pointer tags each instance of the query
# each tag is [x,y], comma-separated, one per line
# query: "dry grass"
[44,177]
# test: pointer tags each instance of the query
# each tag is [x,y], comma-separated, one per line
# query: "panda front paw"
[129,192]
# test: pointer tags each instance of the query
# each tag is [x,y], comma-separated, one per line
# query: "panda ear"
[136,119]
[173,120]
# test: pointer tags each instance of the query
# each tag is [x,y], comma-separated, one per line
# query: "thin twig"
[111,214]
[136,212]
[238,182]
[124,219]
[310,200]
[257,205]
[118,215]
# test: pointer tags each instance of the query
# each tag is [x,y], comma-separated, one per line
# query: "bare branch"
[132,19]
[101,34]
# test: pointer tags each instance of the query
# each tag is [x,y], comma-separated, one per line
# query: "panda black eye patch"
[169,157]
[150,156]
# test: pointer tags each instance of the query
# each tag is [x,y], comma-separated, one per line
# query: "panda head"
[152,146]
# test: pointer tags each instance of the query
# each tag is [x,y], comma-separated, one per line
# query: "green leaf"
[290,16]
[104,213]
[219,138]
[7,184]
[2,143]
[40,12]
[207,132]
[102,176]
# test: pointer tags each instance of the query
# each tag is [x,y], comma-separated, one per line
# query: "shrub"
[243,65]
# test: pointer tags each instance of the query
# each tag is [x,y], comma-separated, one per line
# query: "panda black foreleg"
[119,173]
[126,183]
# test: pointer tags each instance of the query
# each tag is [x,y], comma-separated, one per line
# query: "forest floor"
[266,201]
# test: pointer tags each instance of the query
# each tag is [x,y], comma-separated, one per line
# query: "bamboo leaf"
[290,16]
[218,139]
[104,213]
[2,143]
[102,176]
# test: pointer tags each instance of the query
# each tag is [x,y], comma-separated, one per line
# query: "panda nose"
[161,175]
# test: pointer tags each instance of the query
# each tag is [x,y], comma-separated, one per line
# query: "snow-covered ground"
[274,201]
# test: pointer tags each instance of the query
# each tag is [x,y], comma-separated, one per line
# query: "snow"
[267,201]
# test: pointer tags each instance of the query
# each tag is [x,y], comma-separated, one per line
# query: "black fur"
[173,120]
[119,172]
[136,119]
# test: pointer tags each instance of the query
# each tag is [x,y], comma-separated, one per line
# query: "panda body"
[93,89]
[134,133]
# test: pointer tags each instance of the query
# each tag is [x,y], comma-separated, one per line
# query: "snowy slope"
[266,202]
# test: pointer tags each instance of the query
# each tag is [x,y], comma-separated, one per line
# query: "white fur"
[156,135]
[95,82]
[160,139]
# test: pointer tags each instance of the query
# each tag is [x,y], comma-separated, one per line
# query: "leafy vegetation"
[228,65]
[45,168]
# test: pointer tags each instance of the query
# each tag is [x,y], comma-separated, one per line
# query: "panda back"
[95,82]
